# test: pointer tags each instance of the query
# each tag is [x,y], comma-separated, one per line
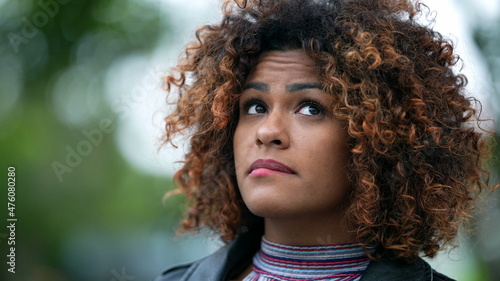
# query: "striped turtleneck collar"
[320,262]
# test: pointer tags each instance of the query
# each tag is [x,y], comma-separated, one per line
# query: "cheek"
[328,159]
[239,143]
[237,139]
[327,149]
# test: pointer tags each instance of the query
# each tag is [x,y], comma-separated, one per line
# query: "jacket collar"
[233,257]
[230,259]
[388,269]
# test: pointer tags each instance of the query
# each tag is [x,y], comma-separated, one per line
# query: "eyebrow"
[263,87]
[295,87]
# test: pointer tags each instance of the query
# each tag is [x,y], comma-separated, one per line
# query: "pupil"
[259,108]
[313,110]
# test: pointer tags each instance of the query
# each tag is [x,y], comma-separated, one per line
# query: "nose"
[272,132]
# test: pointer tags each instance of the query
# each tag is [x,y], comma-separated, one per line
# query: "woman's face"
[290,152]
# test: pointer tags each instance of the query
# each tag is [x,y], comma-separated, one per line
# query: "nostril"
[259,142]
[277,142]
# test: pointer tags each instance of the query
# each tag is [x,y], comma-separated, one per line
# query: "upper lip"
[271,165]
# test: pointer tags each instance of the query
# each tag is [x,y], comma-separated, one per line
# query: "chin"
[269,208]
[271,200]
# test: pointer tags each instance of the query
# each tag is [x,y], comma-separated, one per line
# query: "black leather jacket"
[231,259]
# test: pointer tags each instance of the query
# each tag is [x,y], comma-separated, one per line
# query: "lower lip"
[264,172]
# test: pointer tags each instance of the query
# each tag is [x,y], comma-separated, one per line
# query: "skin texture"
[287,117]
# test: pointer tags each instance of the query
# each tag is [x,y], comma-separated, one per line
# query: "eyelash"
[249,103]
[305,102]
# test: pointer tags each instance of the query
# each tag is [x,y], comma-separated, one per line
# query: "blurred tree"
[487,38]
[54,60]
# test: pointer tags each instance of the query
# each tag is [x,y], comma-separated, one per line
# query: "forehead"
[278,65]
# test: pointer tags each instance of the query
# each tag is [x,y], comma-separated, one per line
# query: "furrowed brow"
[295,87]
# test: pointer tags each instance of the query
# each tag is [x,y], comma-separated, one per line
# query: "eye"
[311,109]
[256,109]
[253,106]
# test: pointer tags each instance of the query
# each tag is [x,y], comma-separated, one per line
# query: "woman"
[330,140]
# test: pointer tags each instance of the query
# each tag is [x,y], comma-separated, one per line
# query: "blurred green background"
[81,106]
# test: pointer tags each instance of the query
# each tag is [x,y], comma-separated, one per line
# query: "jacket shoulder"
[440,277]
[393,269]
[174,273]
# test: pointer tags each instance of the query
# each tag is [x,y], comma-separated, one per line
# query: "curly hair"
[416,155]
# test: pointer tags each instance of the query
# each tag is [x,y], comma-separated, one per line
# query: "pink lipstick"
[262,167]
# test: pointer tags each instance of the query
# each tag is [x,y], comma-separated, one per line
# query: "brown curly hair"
[417,156]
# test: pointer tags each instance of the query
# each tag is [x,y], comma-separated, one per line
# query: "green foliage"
[43,43]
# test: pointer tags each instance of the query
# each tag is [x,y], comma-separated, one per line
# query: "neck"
[307,231]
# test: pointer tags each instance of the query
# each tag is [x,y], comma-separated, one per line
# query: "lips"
[270,166]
